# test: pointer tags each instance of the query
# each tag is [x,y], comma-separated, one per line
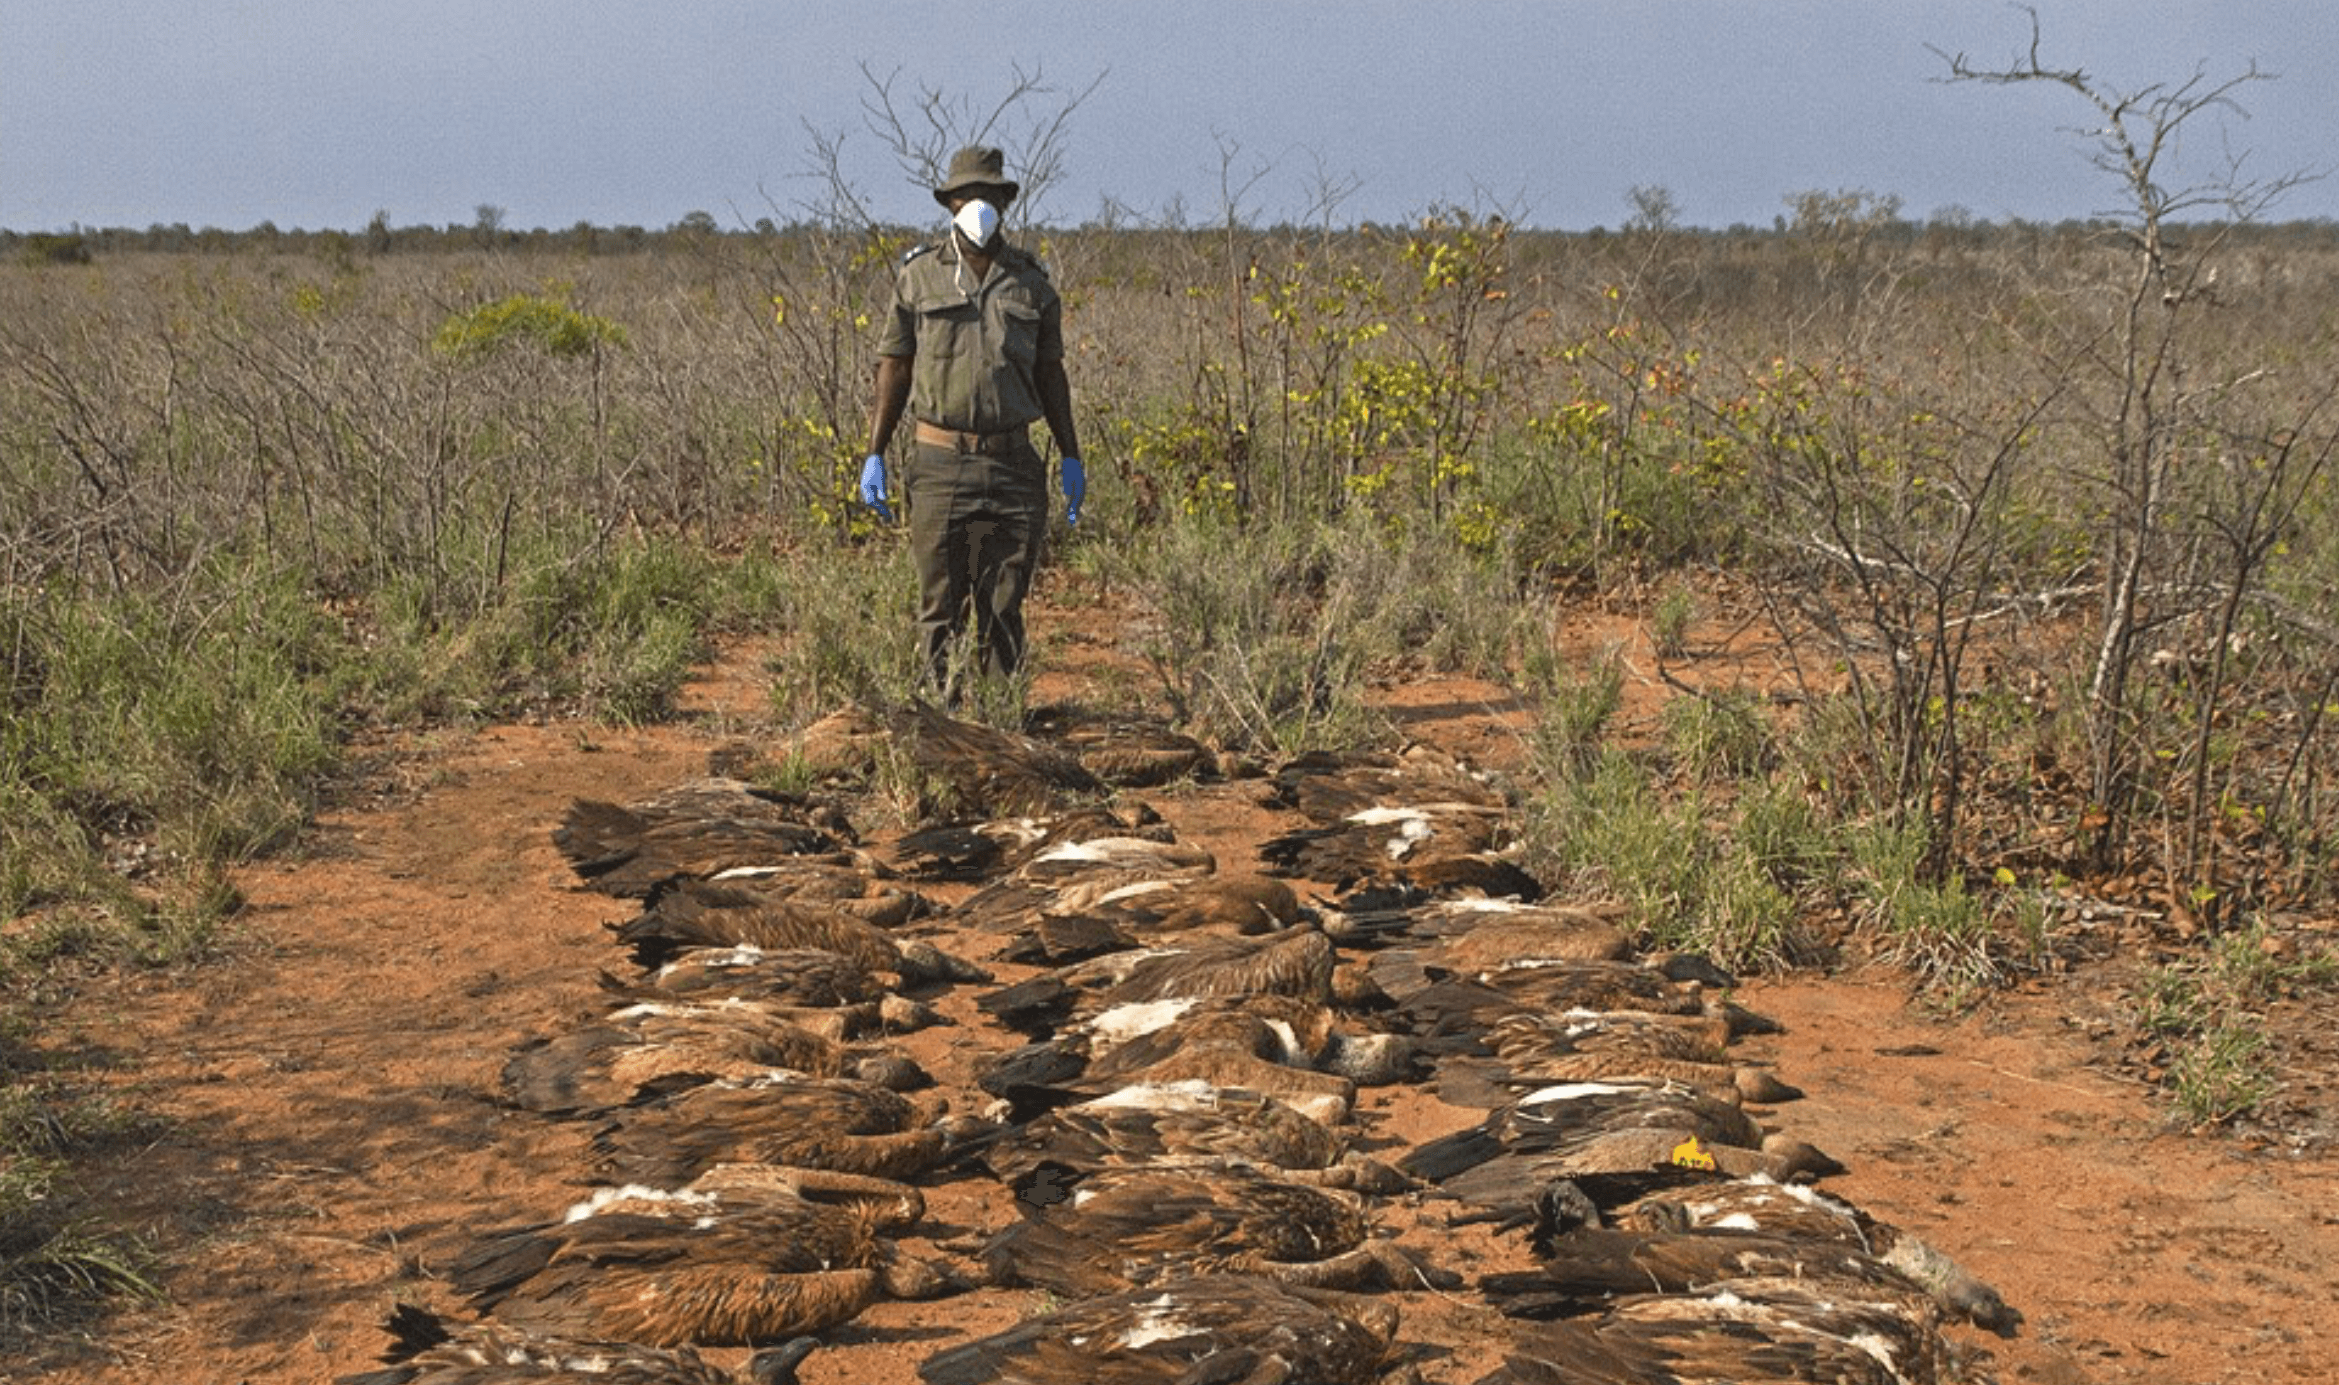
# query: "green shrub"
[547,324]
[1937,929]
[2218,1073]
[49,247]
[1779,829]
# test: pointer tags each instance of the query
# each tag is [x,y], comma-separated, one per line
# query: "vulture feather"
[1204,1330]
[700,914]
[1748,1331]
[701,828]
[722,1263]
[1124,1229]
[426,1350]
[653,1051]
[984,849]
[805,1122]
[1175,1124]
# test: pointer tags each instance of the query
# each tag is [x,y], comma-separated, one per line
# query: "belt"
[991,444]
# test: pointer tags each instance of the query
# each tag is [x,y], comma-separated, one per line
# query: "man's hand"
[1074,479]
[873,486]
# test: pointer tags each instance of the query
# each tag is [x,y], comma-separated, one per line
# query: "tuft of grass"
[59,1261]
[2209,1014]
[1690,885]
[2218,1074]
[848,616]
[1779,828]
[1574,709]
[1717,735]
[1260,646]
[148,739]
[1938,929]
[1745,919]
[1669,622]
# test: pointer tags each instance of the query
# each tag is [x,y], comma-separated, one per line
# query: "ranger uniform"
[972,354]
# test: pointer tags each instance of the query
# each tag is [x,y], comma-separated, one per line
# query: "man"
[973,353]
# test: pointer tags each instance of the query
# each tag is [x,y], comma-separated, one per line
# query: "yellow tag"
[1690,1155]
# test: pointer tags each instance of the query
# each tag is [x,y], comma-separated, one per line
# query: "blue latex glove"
[873,486]
[1074,478]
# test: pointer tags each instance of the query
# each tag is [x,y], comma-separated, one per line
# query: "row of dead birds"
[1172,1119]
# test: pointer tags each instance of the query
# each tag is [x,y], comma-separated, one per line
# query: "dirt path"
[329,1134]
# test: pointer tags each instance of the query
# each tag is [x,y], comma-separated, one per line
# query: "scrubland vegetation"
[2042,519]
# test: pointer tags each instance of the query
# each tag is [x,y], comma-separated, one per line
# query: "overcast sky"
[316,114]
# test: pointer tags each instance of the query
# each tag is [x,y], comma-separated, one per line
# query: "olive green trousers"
[976,526]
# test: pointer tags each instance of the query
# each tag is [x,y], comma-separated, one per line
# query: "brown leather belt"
[988,444]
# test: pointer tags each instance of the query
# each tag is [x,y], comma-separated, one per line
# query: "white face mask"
[978,221]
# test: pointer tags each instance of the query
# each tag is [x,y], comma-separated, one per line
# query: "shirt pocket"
[948,327]
[1019,330]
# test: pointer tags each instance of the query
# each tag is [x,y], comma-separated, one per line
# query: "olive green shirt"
[975,344]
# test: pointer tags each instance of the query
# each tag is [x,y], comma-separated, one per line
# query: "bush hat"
[977,166]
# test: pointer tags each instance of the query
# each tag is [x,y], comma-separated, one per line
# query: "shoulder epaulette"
[1017,255]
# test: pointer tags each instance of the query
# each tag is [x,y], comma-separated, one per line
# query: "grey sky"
[317,113]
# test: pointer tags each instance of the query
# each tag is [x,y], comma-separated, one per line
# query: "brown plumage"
[1295,963]
[813,977]
[1614,1139]
[696,914]
[650,1051]
[1076,927]
[815,1123]
[701,828]
[427,1350]
[1210,1328]
[1397,844]
[730,1261]
[1486,1083]
[1456,1014]
[1766,1207]
[1125,1229]
[616,1065]
[861,887]
[975,769]
[1557,985]
[1233,906]
[1538,1050]
[1176,1124]
[1479,933]
[1271,1049]
[988,848]
[1329,786]
[1609,1168]
[1524,1039]
[1126,752]
[1277,1045]
[1421,820]
[1587,1267]
[1067,877]
[1749,1331]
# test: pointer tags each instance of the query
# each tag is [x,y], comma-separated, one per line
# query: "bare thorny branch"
[920,131]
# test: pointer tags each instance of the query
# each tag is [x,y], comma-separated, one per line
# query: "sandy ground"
[328,1131]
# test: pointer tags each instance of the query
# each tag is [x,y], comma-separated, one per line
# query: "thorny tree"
[2169,413]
